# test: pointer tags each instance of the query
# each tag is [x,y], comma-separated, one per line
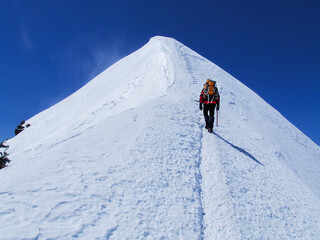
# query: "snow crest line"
[215,195]
[189,59]
[199,180]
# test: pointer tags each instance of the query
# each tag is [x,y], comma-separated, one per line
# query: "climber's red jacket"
[213,99]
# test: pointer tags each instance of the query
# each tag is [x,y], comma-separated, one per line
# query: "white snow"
[127,157]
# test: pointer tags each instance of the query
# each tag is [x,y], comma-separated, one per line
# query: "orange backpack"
[209,87]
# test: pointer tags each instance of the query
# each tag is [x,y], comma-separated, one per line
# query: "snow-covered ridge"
[143,75]
[127,157]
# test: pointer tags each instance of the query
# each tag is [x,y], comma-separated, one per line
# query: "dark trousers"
[208,113]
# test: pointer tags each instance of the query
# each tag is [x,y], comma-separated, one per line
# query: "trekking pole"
[217,118]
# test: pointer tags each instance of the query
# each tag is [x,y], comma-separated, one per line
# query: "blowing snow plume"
[127,157]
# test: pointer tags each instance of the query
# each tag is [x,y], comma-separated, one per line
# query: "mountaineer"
[209,98]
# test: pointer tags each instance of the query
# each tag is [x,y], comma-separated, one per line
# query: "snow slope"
[127,157]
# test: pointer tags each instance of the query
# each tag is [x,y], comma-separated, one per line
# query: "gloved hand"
[200,106]
[218,107]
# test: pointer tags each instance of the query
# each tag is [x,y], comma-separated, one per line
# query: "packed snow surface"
[127,157]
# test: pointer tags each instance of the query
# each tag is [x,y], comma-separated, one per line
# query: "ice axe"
[217,119]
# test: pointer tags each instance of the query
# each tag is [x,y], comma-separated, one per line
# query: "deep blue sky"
[49,49]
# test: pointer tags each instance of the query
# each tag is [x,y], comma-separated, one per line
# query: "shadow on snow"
[239,149]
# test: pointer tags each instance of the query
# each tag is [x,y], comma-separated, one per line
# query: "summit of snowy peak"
[162,39]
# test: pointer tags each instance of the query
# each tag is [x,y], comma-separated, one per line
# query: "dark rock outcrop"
[3,159]
[21,127]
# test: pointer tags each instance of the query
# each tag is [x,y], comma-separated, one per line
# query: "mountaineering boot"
[206,119]
[210,124]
